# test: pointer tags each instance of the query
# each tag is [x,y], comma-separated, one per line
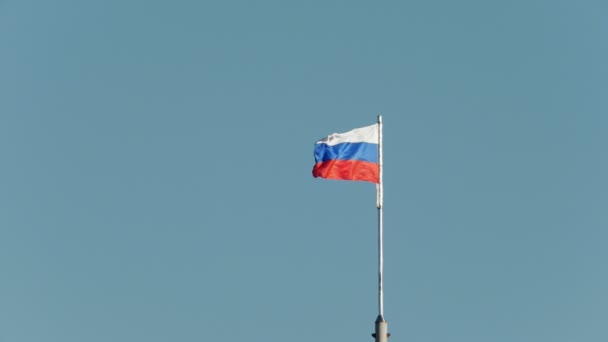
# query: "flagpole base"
[381,334]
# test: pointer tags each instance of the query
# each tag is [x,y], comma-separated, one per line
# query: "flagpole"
[381,327]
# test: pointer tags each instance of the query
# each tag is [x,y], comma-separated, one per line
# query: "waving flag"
[349,156]
[357,155]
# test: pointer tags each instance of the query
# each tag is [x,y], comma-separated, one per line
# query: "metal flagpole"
[381,332]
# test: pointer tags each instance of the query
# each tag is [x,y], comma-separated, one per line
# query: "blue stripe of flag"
[347,151]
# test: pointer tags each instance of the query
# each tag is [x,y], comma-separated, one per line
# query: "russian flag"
[349,156]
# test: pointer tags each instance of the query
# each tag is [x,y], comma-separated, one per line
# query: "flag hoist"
[357,156]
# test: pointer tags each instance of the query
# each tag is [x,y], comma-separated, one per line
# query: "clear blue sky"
[156,156]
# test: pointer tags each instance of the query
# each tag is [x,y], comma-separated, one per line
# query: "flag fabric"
[349,156]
